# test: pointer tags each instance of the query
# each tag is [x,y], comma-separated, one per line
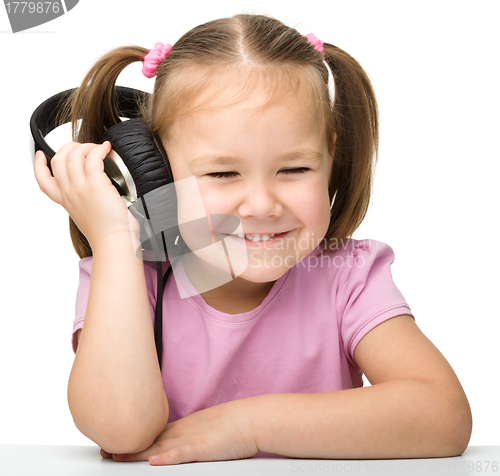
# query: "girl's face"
[273,176]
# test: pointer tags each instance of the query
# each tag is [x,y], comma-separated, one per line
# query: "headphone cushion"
[142,153]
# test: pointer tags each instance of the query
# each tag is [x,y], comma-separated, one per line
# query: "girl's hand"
[80,185]
[218,433]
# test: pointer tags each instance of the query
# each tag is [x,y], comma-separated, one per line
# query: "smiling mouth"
[259,238]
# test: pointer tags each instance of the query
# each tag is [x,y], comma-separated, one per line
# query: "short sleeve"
[368,295]
[82,293]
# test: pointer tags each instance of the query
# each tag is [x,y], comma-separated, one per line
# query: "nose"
[260,200]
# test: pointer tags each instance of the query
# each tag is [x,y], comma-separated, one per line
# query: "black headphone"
[137,165]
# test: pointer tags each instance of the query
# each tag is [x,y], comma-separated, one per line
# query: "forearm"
[398,419]
[115,389]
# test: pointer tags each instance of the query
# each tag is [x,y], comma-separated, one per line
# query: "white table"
[39,460]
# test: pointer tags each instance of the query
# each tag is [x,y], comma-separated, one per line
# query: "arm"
[115,389]
[415,408]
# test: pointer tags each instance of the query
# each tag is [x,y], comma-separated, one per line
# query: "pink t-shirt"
[300,339]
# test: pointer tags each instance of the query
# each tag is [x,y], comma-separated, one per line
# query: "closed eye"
[299,170]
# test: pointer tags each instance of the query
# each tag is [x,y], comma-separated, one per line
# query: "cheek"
[217,200]
[196,202]
[190,205]
[310,200]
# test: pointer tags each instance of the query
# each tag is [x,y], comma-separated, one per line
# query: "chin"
[260,277]
[264,272]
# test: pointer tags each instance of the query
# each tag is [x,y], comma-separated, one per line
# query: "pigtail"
[274,49]
[355,118]
[95,104]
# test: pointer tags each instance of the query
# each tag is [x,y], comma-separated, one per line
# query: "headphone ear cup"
[142,153]
[145,159]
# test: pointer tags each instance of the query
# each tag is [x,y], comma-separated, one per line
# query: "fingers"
[105,454]
[177,455]
[46,182]
[58,163]
[153,450]
[71,166]
[94,163]
[163,459]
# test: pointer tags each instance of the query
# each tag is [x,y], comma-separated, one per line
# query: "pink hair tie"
[154,58]
[318,44]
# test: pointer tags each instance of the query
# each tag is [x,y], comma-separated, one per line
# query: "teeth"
[257,237]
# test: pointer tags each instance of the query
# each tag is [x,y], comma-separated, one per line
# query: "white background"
[434,66]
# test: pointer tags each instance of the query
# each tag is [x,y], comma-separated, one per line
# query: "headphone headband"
[43,120]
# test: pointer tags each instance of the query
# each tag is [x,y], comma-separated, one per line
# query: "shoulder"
[364,287]
[366,294]
[345,269]
[353,259]
[365,265]
[348,247]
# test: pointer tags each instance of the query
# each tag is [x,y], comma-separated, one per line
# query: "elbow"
[458,430]
[130,440]
[111,437]
[120,435]
[123,438]
[138,435]
[463,429]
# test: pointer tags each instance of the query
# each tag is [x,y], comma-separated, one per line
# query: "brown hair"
[267,53]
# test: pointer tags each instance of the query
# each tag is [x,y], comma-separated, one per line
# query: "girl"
[280,131]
